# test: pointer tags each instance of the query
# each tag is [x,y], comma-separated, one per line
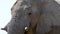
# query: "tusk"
[26,28]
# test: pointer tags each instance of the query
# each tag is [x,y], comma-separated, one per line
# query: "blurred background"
[5,12]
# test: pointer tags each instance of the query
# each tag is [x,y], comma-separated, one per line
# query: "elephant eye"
[15,16]
[29,14]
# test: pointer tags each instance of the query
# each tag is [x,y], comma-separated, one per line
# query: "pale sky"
[5,13]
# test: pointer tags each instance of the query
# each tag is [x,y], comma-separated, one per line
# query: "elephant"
[34,17]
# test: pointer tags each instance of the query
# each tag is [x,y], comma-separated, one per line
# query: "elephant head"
[25,16]
[33,17]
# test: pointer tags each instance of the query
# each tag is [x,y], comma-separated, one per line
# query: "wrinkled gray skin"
[41,15]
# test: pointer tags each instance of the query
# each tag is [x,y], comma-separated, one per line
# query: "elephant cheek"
[16,32]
